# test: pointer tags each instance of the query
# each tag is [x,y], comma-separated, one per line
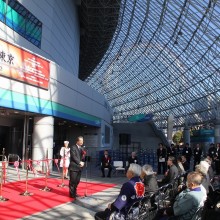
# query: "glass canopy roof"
[163,59]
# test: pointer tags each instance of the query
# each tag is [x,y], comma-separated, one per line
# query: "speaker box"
[124,139]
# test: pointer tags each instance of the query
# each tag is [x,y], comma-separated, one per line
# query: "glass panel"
[21,20]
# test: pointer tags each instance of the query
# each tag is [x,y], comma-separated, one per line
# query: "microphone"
[83,147]
[84,150]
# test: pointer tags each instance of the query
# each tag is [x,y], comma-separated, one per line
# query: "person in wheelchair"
[149,179]
[187,202]
[171,173]
[131,192]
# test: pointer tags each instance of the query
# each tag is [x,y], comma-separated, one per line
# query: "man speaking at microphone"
[75,167]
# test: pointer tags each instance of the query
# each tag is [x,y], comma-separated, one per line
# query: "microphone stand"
[86,190]
[87,158]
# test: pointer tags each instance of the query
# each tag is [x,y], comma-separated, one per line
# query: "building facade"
[42,100]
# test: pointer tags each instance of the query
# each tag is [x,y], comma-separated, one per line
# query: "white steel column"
[43,140]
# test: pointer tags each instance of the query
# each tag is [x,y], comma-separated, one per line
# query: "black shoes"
[75,196]
[107,176]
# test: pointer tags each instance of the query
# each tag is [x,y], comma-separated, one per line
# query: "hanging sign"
[21,65]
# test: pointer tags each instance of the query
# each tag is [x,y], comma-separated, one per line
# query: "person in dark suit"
[212,151]
[197,153]
[217,159]
[187,152]
[132,159]
[185,163]
[161,158]
[106,163]
[75,167]
[171,151]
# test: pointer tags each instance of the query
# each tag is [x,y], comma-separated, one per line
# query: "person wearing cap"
[65,158]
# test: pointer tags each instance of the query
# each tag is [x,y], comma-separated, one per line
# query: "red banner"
[21,65]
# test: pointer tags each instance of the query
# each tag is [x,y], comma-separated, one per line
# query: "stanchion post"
[46,189]
[2,199]
[26,193]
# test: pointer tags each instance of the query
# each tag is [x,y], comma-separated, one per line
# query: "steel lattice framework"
[98,21]
[163,59]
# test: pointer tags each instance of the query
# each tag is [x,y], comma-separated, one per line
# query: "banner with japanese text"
[21,65]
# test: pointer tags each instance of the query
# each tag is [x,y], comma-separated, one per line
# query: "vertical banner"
[21,65]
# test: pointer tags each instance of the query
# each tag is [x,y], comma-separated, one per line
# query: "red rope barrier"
[31,166]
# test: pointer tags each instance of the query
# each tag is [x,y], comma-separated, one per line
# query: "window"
[18,18]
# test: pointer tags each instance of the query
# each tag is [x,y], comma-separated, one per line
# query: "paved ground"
[83,207]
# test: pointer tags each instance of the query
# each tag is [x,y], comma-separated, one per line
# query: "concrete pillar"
[43,141]
[186,134]
[217,131]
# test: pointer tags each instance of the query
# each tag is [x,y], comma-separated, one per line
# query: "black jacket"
[75,158]
[106,161]
[187,152]
[212,152]
[197,153]
[132,160]
[161,153]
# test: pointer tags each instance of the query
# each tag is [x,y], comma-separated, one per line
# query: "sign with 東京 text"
[21,65]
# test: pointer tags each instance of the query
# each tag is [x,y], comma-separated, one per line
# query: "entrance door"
[4,138]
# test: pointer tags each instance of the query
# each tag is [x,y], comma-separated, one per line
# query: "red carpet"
[19,206]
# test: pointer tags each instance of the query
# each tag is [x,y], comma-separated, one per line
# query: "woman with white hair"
[131,192]
[203,168]
[149,179]
[210,170]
